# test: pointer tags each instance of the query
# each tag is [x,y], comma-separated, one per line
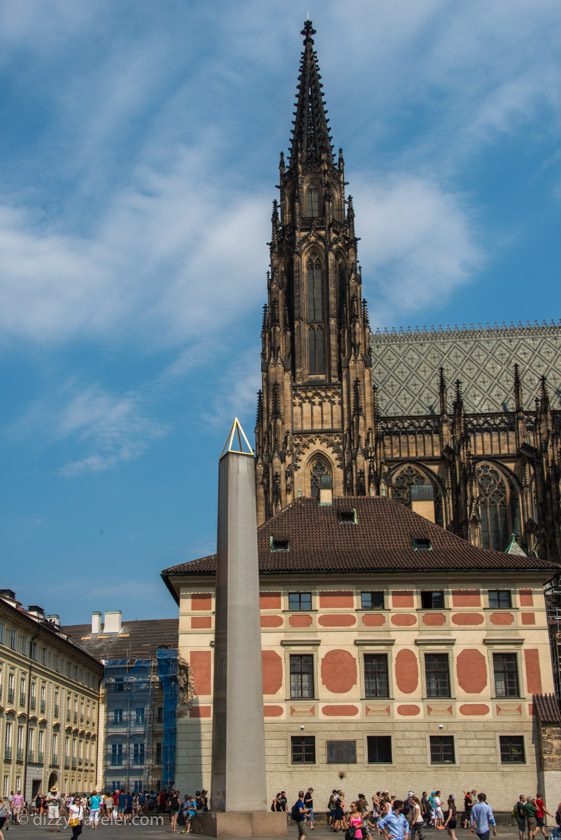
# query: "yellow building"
[396,656]
[50,715]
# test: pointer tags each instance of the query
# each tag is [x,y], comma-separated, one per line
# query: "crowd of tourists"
[387,816]
[384,816]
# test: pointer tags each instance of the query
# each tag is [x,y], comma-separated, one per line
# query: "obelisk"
[238,781]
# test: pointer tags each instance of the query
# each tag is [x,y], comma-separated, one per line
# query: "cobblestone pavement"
[160,827]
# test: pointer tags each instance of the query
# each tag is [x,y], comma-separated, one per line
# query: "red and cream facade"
[467,634]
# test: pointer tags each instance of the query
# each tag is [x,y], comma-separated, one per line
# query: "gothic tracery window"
[410,483]
[316,332]
[498,507]
[321,477]
[312,202]
[315,292]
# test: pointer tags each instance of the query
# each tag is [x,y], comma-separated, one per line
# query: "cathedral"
[462,425]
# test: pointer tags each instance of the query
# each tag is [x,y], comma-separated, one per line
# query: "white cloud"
[419,243]
[173,258]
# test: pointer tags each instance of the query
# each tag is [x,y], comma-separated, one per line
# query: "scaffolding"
[167,673]
[553,611]
[134,689]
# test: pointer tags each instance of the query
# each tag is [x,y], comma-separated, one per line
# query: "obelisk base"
[233,824]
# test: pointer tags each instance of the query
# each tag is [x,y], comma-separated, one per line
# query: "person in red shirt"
[541,811]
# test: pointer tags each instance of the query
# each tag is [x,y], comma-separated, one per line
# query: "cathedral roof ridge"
[479,329]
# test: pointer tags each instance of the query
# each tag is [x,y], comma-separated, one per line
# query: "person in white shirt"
[76,817]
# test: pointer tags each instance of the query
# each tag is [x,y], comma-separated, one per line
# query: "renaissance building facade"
[463,424]
[51,717]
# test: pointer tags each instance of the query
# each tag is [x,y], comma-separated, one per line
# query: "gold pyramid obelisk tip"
[236,441]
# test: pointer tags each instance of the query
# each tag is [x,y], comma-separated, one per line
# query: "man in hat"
[53,804]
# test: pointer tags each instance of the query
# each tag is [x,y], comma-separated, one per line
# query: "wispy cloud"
[419,243]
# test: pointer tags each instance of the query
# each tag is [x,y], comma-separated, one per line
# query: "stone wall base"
[234,824]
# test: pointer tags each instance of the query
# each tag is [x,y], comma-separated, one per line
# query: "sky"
[139,153]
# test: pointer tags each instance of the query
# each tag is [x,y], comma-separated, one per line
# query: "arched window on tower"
[498,507]
[316,349]
[312,202]
[315,292]
[414,488]
[321,478]
[316,332]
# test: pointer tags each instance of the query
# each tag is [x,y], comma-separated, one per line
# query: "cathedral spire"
[310,136]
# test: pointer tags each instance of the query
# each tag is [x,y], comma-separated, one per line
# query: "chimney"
[10,596]
[112,621]
[54,619]
[96,622]
[36,611]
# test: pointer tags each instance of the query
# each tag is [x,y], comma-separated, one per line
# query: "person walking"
[452,817]
[355,822]
[309,803]
[531,816]
[393,824]
[95,807]
[482,819]
[417,820]
[76,817]
[519,814]
[298,814]
[540,814]
[4,814]
[53,806]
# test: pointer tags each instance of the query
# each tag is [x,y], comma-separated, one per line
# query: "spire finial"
[308,31]
[311,140]
[237,441]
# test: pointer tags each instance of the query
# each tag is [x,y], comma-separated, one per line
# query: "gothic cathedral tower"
[315,432]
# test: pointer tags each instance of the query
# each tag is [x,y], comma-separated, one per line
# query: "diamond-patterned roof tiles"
[406,367]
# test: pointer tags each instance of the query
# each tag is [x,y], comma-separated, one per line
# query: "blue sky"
[139,153]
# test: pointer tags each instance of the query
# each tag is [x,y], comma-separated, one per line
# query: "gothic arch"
[498,497]
[411,475]
[312,200]
[320,474]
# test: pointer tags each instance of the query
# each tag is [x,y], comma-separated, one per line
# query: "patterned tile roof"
[406,365]
[547,708]
[381,540]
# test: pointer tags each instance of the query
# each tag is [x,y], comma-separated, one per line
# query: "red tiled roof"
[547,708]
[380,541]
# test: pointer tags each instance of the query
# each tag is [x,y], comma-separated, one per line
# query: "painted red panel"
[373,620]
[272,621]
[272,671]
[270,600]
[336,600]
[344,711]
[466,598]
[526,598]
[334,620]
[201,622]
[502,618]
[200,661]
[406,671]
[300,620]
[201,601]
[200,711]
[403,599]
[272,711]
[404,619]
[434,619]
[533,673]
[528,618]
[471,668]
[408,709]
[467,619]
[338,671]
[474,709]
